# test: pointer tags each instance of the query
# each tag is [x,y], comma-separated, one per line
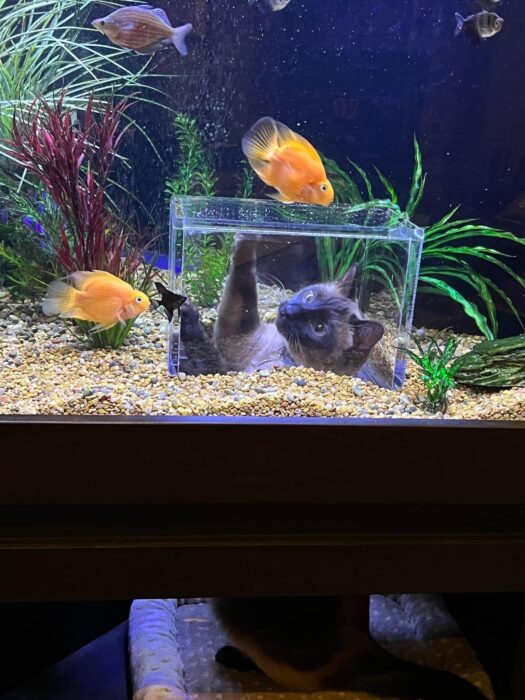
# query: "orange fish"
[288,162]
[97,296]
[142,28]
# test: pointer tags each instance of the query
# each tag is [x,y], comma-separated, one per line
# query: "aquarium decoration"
[452,247]
[73,161]
[273,274]
[494,364]
[435,361]
[195,173]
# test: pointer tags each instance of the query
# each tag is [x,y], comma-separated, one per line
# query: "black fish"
[482,25]
[169,300]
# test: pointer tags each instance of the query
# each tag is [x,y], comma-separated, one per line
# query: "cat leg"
[237,314]
[233,658]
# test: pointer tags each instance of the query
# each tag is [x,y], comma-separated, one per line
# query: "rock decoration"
[497,364]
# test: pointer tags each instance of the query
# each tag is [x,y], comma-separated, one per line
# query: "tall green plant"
[451,251]
[195,174]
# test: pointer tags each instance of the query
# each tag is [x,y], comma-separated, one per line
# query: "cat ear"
[347,283]
[366,334]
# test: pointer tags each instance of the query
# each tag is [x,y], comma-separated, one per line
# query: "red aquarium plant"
[73,159]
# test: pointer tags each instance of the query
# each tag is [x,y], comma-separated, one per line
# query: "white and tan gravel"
[44,370]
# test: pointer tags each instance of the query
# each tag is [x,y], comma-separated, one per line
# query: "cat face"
[324,327]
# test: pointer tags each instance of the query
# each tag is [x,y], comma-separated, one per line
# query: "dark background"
[359,79]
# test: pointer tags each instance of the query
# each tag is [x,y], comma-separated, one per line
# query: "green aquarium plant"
[195,175]
[206,257]
[452,251]
[245,181]
[437,369]
[72,159]
[207,262]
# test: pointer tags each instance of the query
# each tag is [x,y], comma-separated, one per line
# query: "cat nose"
[283,310]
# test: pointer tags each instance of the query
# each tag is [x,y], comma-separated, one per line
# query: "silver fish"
[143,29]
[489,5]
[482,25]
[269,5]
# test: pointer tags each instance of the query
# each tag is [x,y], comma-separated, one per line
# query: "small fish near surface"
[143,29]
[482,25]
[169,300]
[269,5]
[288,162]
[96,296]
[489,5]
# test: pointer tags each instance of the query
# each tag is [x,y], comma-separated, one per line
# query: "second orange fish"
[288,162]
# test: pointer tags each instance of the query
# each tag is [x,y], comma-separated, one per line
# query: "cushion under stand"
[173,645]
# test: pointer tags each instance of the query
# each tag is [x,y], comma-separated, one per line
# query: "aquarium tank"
[271,208]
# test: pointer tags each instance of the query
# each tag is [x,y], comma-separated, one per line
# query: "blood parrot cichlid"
[143,29]
[288,162]
[97,296]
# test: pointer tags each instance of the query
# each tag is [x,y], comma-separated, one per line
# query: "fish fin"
[286,137]
[81,277]
[280,197]
[161,14]
[75,312]
[460,21]
[60,298]
[151,48]
[260,141]
[179,38]
[101,327]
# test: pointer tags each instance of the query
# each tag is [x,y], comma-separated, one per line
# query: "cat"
[314,644]
[321,326]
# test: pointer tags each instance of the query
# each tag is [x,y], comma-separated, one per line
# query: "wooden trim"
[172,460]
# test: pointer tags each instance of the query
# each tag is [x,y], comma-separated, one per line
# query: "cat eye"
[319,328]
[308,297]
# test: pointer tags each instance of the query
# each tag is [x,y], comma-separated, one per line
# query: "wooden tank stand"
[118,508]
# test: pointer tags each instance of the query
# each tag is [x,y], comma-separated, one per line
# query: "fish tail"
[460,21]
[60,299]
[179,38]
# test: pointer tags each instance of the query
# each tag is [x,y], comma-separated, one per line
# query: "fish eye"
[324,188]
[308,297]
[319,328]
[102,22]
[139,300]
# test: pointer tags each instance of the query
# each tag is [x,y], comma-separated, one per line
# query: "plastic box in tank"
[296,246]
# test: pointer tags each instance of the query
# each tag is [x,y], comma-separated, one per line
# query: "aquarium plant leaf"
[365,178]
[345,189]
[469,307]
[418,181]
[387,185]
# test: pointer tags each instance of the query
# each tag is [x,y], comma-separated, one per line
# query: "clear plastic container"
[271,284]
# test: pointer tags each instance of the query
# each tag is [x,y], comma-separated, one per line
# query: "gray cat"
[321,326]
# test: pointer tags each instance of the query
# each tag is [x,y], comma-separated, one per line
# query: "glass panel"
[277,305]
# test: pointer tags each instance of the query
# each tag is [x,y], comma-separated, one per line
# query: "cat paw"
[233,658]
[157,692]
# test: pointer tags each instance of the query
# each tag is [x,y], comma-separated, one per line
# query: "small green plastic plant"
[209,258]
[245,181]
[437,369]
[195,175]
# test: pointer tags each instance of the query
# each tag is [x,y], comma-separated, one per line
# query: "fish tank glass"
[278,307]
[314,209]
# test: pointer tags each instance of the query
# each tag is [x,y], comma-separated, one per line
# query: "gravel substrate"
[45,370]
